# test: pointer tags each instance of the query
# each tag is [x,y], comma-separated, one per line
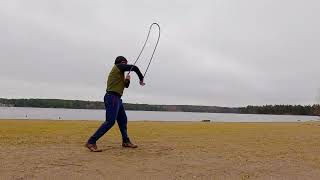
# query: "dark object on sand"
[206,120]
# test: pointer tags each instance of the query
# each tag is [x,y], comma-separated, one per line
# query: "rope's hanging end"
[154,50]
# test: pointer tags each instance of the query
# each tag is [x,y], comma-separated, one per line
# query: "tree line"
[78,104]
[313,110]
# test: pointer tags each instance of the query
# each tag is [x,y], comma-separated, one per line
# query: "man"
[113,103]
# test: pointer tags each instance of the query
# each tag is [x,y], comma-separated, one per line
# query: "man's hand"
[127,81]
[128,77]
[142,83]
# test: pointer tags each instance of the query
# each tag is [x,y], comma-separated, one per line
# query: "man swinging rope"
[113,103]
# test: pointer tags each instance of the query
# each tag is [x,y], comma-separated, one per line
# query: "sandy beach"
[43,149]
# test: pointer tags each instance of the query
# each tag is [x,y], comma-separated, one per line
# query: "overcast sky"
[215,52]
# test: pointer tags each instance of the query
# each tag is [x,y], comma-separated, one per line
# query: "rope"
[154,50]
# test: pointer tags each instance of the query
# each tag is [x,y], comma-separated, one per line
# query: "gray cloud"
[227,53]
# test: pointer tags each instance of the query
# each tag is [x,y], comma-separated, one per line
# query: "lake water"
[86,114]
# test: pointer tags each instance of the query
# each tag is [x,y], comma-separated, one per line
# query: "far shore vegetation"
[312,110]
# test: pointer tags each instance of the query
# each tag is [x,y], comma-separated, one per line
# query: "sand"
[32,149]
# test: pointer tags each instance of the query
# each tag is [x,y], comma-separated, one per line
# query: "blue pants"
[114,111]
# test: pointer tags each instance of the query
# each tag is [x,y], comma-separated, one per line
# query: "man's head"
[120,60]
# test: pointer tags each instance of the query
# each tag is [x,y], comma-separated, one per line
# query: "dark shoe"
[129,145]
[92,147]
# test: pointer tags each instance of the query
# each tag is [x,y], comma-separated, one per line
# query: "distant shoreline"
[308,110]
[157,121]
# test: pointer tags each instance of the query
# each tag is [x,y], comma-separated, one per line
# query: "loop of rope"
[154,50]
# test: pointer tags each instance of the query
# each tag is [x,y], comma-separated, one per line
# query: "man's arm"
[126,67]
